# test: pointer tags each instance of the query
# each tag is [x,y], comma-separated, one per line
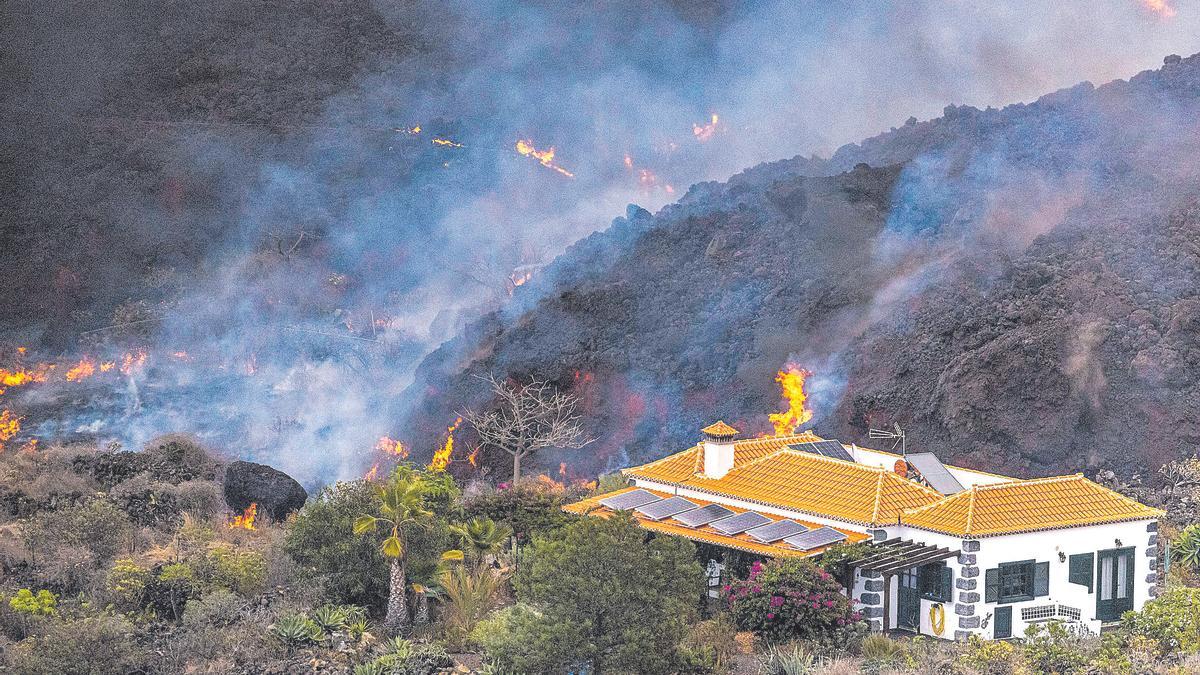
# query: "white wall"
[887,460]
[1042,547]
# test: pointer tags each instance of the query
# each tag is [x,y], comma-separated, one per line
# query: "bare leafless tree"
[526,418]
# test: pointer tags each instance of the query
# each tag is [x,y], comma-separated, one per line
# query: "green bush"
[528,509]
[321,540]
[100,645]
[518,639]
[218,607]
[126,585]
[69,544]
[238,570]
[42,603]
[1052,648]
[789,599]
[709,645]
[1171,621]
[989,657]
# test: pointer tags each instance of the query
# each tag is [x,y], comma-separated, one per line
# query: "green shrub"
[330,618]
[1171,621]
[100,645]
[218,607]
[321,540]
[70,544]
[126,584]
[709,642]
[989,657]
[238,570]
[1052,648]
[518,639]
[882,650]
[790,599]
[42,603]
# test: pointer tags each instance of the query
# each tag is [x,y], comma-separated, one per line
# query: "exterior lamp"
[1117,542]
[1062,557]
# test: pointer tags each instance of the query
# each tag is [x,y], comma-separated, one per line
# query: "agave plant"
[330,618]
[1186,547]
[372,668]
[787,660]
[296,630]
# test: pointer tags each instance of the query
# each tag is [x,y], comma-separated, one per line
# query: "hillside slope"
[1018,288]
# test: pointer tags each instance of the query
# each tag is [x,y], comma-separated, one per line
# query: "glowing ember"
[1159,7]
[30,446]
[791,381]
[705,132]
[410,130]
[82,370]
[562,469]
[181,356]
[446,142]
[107,366]
[628,161]
[370,475]
[473,458]
[546,157]
[133,361]
[246,520]
[441,458]
[392,447]
[10,426]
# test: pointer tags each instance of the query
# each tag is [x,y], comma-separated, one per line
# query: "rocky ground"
[1018,288]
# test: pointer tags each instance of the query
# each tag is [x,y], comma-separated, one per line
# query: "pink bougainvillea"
[790,599]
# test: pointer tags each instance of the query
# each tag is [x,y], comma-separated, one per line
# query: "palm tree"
[402,507]
[481,537]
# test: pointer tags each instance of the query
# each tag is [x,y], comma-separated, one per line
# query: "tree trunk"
[396,622]
[421,616]
[516,467]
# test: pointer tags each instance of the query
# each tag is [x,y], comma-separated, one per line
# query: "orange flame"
[181,356]
[16,378]
[370,475]
[246,520]
[706,131]
[391,447]
[791,382]
[1159,7]
[446,142]
[82,370]
[562,469]
[546,157]
[441,458]
[414,130]
[133,361]
[473,458]
[107,366]
[10,426]
[30,446]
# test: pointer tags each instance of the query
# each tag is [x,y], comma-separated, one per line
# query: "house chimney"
[718,449]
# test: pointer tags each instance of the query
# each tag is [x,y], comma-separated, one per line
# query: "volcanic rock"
[276,493]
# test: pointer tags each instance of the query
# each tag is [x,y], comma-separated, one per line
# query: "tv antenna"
[895,434]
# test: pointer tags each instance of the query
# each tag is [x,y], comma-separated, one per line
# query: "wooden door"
[1114,583]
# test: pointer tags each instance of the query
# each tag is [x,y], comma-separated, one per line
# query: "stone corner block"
[970,571]
[966,584]
[970,546]
[964,610]
[968,622]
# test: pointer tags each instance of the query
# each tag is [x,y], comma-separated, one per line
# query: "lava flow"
[791,381]
[545,157]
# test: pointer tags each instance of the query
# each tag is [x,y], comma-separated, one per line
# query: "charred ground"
[1017,287]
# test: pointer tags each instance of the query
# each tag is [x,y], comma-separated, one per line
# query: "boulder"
[276,493]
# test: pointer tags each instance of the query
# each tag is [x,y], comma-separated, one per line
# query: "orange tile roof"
[719,429]
[820,486]
[742,542]
[1026,506]
[683,465]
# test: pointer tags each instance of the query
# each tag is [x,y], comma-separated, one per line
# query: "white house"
[955,552]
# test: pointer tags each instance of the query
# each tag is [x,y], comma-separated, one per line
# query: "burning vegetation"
[245,521]
[545,157]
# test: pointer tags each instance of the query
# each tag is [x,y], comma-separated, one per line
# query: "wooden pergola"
[896,555]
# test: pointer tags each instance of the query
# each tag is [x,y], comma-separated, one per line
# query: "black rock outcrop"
[276,493]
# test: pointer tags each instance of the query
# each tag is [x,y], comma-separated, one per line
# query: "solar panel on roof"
[822,536]
[630,500]
[703,515]
[934,472]
[740,523]
[828,448]
[776,531]
[665,508]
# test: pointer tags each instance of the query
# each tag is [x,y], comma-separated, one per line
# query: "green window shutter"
[947,587]
[1041,579]
[1081,569]
[991,585]
[1003,625]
